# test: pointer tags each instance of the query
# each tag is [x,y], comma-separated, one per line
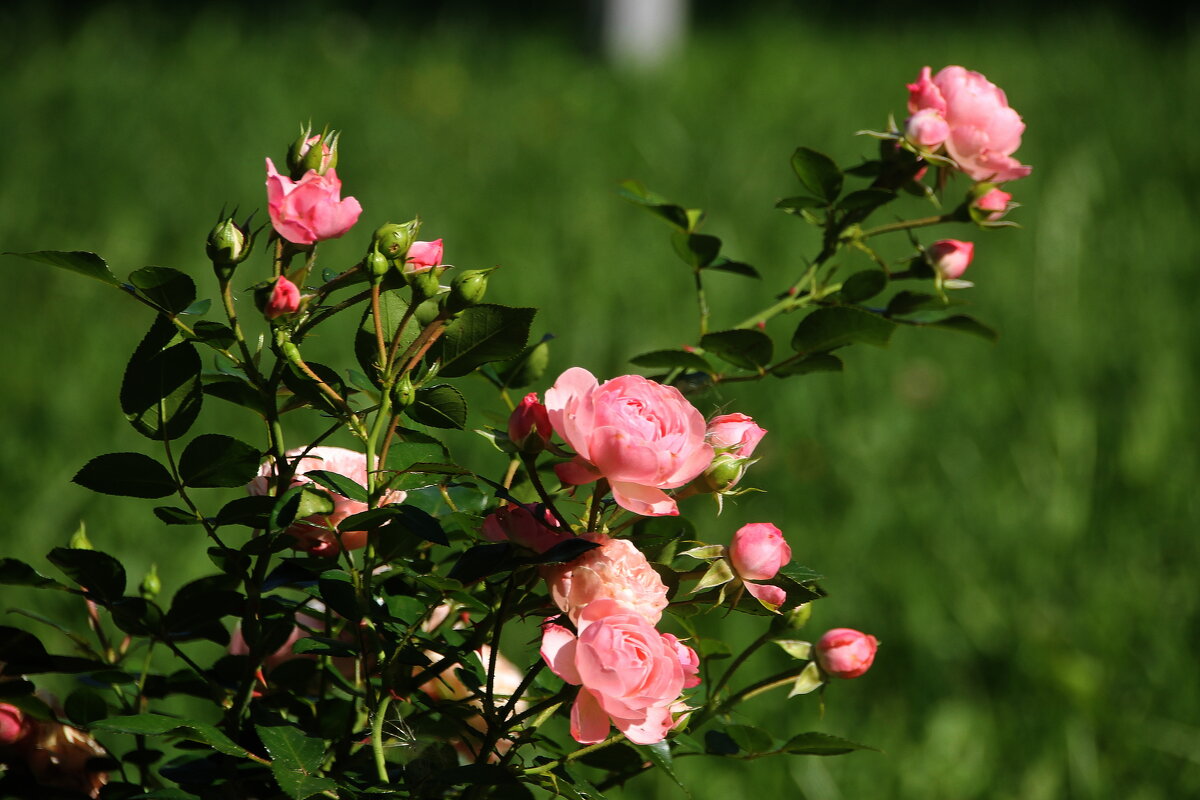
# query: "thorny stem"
[908,224]
[574,754]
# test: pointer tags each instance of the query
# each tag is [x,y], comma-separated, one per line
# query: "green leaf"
[198,308]
[340,484]
[906,302]
[698,250]
[659,754]
[337,590]
[635,192]
[723,264]
[253,511]
[829,328]
[859,205]
[798,573]
[392,308]
[98,572]
[405,517]
[160,392]
[159,724]
[964,324]
[794,205]
[18,573]
[750,739]
[671,359]
[440,406]
[819,174]
[807,681]
[719,573]
[126,474]
[214,334]
[821,362]
[295,760]
[85,706]
[167,288]
[747,348]
[308,391]
[820,744]
[322,646]
[414,447]
[172,515]
[482,334]
[89,264]
[863,285]
[216,460]
[527,367]
[236,390]
[795,648]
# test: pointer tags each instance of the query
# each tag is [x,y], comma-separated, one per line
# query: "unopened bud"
[425,284]
[150,585]
[394,238]
[312,152]
[403,393]
[725,472]
[377,264]
[228,245]
[467,289]
[79,539]
[529,426]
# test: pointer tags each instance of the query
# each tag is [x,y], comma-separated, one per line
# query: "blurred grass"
[1017,523]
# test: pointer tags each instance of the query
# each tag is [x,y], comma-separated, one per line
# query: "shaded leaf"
[339,484]
[295,760]
[821,362]
[635,192]
[747,348]
[167,288]
[215,460]
[18,573]
[863,285]
[481,334]
[829,328]
[965,324]
[723,264]
[820,744]
[696,249]
[440,406]
[170,515]
[84,263]
[659,754]
[670,359]
[750,739]
[818,172]
[527,367]
[160,391]
[392,308]
[236,390]
[99,573]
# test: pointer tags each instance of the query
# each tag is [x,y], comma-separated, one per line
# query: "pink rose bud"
[529,425]
[285,299]
[311,209]
[734,433]
[423,255]
[950,257]
[994,200]
[925,94]
[530,526]
[13,725]
[927,129]
[758,551]
[845,652]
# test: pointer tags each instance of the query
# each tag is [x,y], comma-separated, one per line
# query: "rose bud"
[845,652]
[994,200]
[284,299]
[734,433]
[950,257]
[758,551]
[530,526]
[423,255]
[13,725]
[529,426]
[228,244]
[926,128]
[467,289]
[305,154]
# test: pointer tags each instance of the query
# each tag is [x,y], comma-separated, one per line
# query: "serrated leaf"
[799,573]
[818,172]
[821,362]
[829,328]
[214,460]
[743,347]
[392,308]
[821,744]
[160,391]
[440,406]
[127,475]
[295,760]
[84,263]
[863,285]
[18,573]
[482,334]
[808,680]
[749,739]
[672,359]
[962,323]
[167,288]
[97,572]
[339,484]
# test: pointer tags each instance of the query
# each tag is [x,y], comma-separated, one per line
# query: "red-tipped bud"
[529,425]
[758,551]
[284,299]
[950,257]
[423,255]
[846,653]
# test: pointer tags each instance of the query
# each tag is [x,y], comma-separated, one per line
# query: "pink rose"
[524,526]
[951,257]
[13,725]
[757,553]
[310,209]
[984,131]
[616,570]
[995,200]
[688,659]
[735,433]
[423,255]
[845,652]
[641,436]
[285,299]
[318,533]
[629,674]
[927,128]
[529,425]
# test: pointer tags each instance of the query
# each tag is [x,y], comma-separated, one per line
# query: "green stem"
[377,738]
[702,301]
[908,224]
[736,664]
[539,487]
[575,754]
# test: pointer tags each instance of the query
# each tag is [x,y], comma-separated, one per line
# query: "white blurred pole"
[643,33]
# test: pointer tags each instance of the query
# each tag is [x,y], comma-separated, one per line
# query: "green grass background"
[1017,523]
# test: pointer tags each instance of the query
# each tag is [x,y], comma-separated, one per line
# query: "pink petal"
[558,651]
[644,500]
[772,596]
[589,723]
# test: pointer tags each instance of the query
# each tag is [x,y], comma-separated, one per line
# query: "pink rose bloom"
[757,553]
[688,659]
[616,570]
[734,433]
[423,255]
[13,725]
[845,652]
[927,128]
[285,299]
[524,526]
[951,257]
[527,420]
[641,436]
[317,534]
[629,674]
[994,200]
[310,209]
[984,131]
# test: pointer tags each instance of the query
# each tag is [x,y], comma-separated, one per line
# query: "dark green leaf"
[743,347]
[483,560]
[308,391]
[337,591]
[821,362]
[820,744]
[799,573]
[659,754]
[160,392]
[440,406]
[414,447]
[860,204]
[23,653]
[527,367]
[97,572]
[253,511]
[863,285]
[635,192]
[723,264]
[84,263]
[697,250]
[829,328]
[18,573]
[565,551]
[236,390]
[750,739]
[137,616]
[295,760]
[964,324]
[167,288]
[867,169]
[170,515]
[719,743]
[671,359]
[906,302]
[339,484]
[215,460]
[84,706]
[819,174]
[323,646]
[126,474]
[214,334]
[796,204]
[655,536]
[482,334]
